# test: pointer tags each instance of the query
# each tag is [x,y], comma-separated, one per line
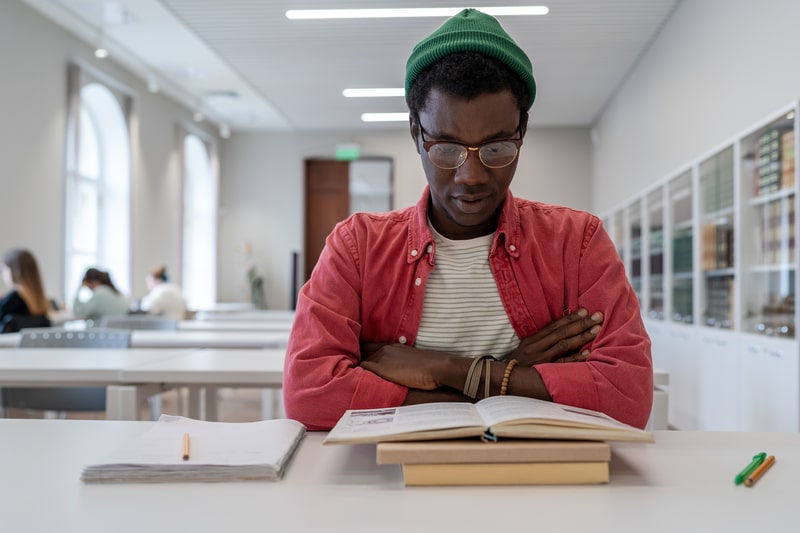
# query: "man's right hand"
[560,341]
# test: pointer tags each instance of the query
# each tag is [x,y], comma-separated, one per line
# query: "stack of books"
[507,462]
[501,440]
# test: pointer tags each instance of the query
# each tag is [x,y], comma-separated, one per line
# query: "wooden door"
[327,202]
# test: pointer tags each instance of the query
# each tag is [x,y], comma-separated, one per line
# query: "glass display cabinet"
[682,231]
[655,250]
[717,239]
[769,256]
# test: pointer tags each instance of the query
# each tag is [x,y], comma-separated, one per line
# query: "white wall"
[262,191]
[717,68]
[34,54]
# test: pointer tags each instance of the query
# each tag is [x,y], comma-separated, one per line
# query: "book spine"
[506,474]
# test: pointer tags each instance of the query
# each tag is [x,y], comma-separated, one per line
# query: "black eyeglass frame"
[427,145]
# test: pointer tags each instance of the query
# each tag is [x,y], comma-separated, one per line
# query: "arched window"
[98,220]
[199,222]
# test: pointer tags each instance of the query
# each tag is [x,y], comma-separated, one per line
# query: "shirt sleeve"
[617,379]
[322,378]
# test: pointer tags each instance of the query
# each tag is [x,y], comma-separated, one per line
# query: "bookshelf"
[681,192]
[634,226]
[717,239]
[717,284]
[655,249]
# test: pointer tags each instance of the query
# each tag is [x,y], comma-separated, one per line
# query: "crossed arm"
[437,376]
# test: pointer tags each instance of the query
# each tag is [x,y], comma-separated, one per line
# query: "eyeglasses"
[449,155]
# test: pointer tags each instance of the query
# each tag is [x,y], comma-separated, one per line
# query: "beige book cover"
[504,451]
[583,473]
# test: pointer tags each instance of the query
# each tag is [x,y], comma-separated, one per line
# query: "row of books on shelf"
[716,247]
[775,161]
[717,190]
[777,231]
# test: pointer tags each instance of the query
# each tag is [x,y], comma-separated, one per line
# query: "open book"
[490,419]
[216,451]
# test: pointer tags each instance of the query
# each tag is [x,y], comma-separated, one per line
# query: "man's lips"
[471,203]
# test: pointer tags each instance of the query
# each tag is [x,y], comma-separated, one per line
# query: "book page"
[371,423]
[211,443]
[497,410]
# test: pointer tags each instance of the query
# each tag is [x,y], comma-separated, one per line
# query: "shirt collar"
[420,240]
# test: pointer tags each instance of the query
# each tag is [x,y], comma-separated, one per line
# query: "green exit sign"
[347,152]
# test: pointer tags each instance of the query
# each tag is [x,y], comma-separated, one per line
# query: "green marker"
[757,460]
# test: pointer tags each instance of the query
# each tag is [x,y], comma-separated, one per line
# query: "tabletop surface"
[234,325]
[144,338]
[682,482]
[151,338]
[214,366]
[43,366]
[60,365]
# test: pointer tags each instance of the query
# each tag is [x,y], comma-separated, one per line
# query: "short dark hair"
[466,75]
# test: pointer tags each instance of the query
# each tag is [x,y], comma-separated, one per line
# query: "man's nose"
[472,171]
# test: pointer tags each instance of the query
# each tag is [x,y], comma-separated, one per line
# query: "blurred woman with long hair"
[26,298]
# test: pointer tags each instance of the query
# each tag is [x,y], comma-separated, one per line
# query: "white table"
[271,315]
[81,367]
[132,375]
[234,325]
[209,369]
[683,482]
[143,338]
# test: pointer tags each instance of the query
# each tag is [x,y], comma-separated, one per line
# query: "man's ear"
[413,127]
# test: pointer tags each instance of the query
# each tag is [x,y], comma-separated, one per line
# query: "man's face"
[466,201]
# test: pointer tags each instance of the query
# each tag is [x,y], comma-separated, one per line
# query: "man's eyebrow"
[443,136]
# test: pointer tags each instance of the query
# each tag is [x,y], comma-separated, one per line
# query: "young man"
[402,305]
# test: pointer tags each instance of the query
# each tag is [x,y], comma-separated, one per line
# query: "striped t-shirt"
[462,313]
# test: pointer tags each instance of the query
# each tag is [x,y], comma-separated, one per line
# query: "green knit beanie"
[470,31]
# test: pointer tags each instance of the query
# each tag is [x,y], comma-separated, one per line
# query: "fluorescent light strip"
[308,14]
[369,93]
[384,117]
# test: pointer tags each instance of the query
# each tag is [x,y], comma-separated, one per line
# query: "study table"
[682,482]
[131,375]
[271,315]
[234,325]
[81,367]
[147,338]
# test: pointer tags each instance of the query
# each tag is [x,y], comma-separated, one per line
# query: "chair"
[14,323]
[64,399]
[139,322]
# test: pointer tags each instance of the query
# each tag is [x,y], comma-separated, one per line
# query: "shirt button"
[413,253]
[512,248]
[402,339]
[418,282]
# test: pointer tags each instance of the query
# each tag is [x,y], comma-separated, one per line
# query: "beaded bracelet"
[507,376]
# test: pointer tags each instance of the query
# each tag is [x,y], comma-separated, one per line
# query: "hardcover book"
[492,418]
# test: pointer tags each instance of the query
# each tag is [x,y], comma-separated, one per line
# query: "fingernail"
[594,330]
[585,352]
[582,312]
[596,317]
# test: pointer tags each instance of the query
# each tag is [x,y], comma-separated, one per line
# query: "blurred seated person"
[104,298]
[26,304]
[165,298]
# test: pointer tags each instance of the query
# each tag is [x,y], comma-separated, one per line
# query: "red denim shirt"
[548,261]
